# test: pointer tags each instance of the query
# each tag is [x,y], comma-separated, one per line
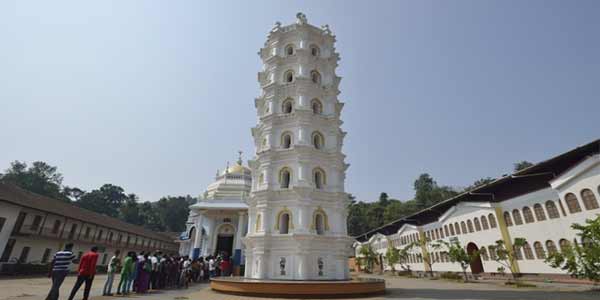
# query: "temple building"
[539,204]
[218,221]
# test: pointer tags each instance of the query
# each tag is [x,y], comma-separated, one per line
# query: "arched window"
[285,178]
[319,178]
[457,228]
[320,221]
[315,76]
[451,229]
[492,221]
[284,222]
[564,245]
[261,178]
[470,226]
[589,200]
[483,253]
[517,217]
[507,219]
[484,223]
[477,224]
[463,227]
[551,247]
[572,203]
[528,215]
[289,50]
[314,50]
[319,226]
[446,230]
[492,251]
[540,215]
[528,251]
[318,140]
[539,250]
[286,140]
[518,253]
[288,76]
[552,211]
[287,106]
[441,232]
[317,106]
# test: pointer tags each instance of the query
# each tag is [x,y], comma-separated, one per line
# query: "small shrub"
[451,276]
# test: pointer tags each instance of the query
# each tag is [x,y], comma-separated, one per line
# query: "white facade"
[297,207]
[218,222]
[543,217]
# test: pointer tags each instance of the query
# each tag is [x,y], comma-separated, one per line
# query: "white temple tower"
[297,206]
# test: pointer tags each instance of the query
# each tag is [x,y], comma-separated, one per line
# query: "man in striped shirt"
[61,264]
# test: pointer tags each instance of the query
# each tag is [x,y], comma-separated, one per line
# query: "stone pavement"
[397,288]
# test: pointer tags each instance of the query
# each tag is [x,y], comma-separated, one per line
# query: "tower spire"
[239,161]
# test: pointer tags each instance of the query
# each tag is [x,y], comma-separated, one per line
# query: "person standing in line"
[126,274]
[113,266]
[144,270]
[154,272]
[61,264]
[136,275]
[87,270]
[211,267]
[133,273]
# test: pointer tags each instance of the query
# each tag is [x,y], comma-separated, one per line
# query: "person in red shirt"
[87,270]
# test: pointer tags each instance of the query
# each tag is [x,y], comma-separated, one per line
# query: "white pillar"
[239,234]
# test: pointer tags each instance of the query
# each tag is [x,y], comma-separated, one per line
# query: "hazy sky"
[154,96]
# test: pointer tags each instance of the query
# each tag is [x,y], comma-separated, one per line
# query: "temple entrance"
[224,244]
[476,264]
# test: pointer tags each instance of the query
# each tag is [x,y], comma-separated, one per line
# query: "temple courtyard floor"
[397,288]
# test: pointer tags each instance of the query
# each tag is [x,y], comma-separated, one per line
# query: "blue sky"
[154,96]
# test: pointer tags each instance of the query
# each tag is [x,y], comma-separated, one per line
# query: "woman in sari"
[144,269]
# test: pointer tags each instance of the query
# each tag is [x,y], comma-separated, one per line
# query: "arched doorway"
[224,243]
[476,264]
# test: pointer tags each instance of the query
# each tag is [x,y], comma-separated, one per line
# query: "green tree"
[392,256]
[40,178]
[458,254]
[130,211]
[368,257]
[106,200]
[384,199]
[428,247]
[172,210]
[428,192]
[518,166]
[581,261]
[506,256]
[480,182]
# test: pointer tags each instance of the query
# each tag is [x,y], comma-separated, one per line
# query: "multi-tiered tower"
[298,207]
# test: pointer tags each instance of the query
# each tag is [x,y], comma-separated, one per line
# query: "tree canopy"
[167,214]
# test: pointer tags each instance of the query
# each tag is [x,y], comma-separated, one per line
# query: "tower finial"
[301,19]
[227,169]
[239,161]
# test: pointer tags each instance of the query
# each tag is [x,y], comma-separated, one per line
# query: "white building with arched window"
[539,204]
[218,222]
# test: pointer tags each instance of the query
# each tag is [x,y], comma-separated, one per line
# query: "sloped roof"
[506,187]
[18,196]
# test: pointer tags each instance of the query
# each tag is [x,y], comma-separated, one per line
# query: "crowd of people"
[138,272]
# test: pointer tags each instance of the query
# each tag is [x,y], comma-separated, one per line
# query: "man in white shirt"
[154,274]
[211,267]
[112,268]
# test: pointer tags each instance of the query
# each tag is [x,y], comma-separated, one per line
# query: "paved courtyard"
[397,288]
